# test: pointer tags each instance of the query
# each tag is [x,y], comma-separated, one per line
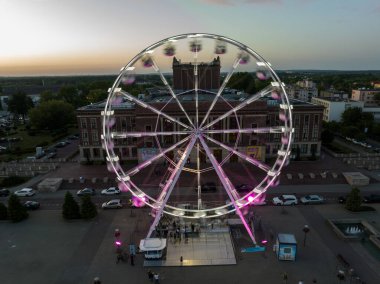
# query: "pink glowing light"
[275,95]
[264,242]
[128,80]
[250,198]
[118,243]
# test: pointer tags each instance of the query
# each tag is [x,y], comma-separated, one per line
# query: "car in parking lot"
[31,205]
[25,192]
[4,192]
[285,199]
[312,199]
[373,198]
[112,204]
[110,191]
[86,191]
[206,187]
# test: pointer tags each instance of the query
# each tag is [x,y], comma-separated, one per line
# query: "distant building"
[366,95]
[334,94]
[334,107]
[303,90]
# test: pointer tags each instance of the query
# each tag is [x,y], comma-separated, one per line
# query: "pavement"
[47,249]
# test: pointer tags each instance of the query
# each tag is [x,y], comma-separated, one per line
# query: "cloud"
[238,2]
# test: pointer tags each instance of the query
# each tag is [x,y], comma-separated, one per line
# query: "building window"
[95,138]
[83,123]
[316,119]
[134,152]
[148,128]
[93,123]
[304,148]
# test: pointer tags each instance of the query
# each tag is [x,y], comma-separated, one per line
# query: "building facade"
[333,107]
[367,96]
[303,90]
[307,120]
[263,113]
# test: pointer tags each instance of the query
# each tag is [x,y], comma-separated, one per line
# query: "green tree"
[46,96]
[52,115]
[351,116]
[70,208]
[16,211]
[71,95]
[19,104]
[3,212]
[88,208]
[377,98]
[96,95]
[354,200]
[327,137]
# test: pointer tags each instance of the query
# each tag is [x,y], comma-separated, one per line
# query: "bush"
[88,209]
[3,212]
[13,181]
[354,200]
[16,211]
[70,208]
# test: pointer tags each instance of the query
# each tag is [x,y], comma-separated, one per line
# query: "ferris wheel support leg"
[167,190]
[228,187]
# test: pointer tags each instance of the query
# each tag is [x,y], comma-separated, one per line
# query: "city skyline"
[51,37]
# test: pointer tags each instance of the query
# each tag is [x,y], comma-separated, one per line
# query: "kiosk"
[286,247]
[153,247]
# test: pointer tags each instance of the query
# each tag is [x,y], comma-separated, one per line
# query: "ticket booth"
[286,247]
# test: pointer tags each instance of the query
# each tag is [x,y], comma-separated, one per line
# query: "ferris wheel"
[192,105]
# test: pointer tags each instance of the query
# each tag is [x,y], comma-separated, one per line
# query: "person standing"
[156,278]
[150,275]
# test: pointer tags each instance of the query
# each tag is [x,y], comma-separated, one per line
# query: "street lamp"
[305,229]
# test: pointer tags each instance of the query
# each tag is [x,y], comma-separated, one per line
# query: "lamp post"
[305,229]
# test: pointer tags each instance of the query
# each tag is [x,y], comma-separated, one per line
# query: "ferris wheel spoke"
[231,191]
[258,130]
[198,178]
[163,79]
[222,87]
[170,183]
[245,157]
[148,162]
[248,101]
[153,109]
[121,135]
[196,88]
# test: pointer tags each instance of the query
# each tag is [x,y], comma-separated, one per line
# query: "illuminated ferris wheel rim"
[197,133]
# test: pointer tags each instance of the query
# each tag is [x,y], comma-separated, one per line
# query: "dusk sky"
[55,37]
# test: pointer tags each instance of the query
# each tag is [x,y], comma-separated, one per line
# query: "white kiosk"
[152,247]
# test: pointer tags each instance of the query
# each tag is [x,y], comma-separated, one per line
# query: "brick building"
[307,120]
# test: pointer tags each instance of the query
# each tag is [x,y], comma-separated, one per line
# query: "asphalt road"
[54,200]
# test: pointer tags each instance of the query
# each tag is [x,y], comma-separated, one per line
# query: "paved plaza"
[47,249]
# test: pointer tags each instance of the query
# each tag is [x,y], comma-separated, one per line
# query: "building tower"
[208,75]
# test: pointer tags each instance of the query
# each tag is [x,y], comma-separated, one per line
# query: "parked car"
[4,192]
[112,204]
[373,198]
[208,186]
[110,191]
[25,192]
[342,199]
[86,191]
[31,205]
[312,199]
[285,199]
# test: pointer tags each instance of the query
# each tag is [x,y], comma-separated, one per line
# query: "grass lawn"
[339,149]
[28,143]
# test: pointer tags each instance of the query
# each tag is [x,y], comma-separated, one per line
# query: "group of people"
[153,276]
